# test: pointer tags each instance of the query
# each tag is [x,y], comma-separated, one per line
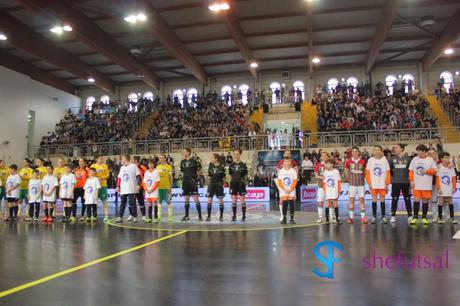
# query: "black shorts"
[238,188]
[12,200]
[215,190]
[189,187]
[397,188]
[67,200]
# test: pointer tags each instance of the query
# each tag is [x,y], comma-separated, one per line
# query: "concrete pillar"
[161,92]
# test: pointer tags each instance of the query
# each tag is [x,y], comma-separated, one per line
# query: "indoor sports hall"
[229,152]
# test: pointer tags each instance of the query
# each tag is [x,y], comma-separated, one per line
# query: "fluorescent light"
[343,79]
[254,65]
[141,17]
[67,28]
[3,36]
[316,60]
[91,80]
[284,85]
[56,30]
[448,51]
[219,6]
[399,76]
[131,19]
[457,73]
[134,18]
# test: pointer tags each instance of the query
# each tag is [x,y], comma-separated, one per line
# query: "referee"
[189,167]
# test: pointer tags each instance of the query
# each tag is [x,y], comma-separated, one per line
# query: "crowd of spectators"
[450,100]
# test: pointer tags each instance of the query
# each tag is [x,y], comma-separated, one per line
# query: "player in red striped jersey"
[355,168]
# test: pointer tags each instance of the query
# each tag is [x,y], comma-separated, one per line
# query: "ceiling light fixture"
[448,51]
[3,36]
[135,18]
[254,65]
[316,60]
[457,73]
[67,28]
[219,6]
[91,80]
[57,30]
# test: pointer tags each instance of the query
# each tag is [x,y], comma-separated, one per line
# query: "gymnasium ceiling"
[183,38]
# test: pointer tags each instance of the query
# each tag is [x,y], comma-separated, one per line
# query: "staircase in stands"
[309,120]
[452,135]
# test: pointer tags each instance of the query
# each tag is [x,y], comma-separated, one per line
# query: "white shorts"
[320,195]
[356,191]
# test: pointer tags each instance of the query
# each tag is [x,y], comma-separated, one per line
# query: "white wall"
[18,95]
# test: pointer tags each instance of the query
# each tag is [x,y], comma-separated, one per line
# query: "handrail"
[258,142]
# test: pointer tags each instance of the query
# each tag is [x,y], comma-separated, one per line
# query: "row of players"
[430,178]
[136,183]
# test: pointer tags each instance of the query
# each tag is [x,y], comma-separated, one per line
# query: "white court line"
[457,235]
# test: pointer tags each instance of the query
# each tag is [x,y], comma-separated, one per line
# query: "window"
[275,86]
[105,99]
[389,81]
[224,91]
[190,93]
[448,79]
[332,84]
[89,102]
[132,101]
[179,93]
[352,81]
[148,95]
[244,91]
[406,78]
[299,85]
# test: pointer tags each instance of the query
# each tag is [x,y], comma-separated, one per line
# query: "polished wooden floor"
[267,267]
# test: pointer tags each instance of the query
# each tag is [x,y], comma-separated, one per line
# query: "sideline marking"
[86,265]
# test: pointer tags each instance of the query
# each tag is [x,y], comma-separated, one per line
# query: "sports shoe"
[50,220]
[35,219]
[384,220]
[413,221]
[208,219]
[118,220]
[221,219]
[319,220]
[373,220]
[292,221]
[158,219]
[350,221]
[283,221]
[106,219]
[82,219]
[425,221]
[364,220]
[134,219]
[155,220]
[339,221]
[453,220]
[88,219]
[393,219]
[93,220]
[234,219]
[144,218]
[170,219]
[44,219]
[185,218]
[130,218]
[435,219]
[72,219]
[326,221]
[63,220]
[148,220]
[440,221]
[27,219]
[200,218]
[243,219]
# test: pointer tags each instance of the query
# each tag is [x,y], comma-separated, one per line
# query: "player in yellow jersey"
[164,190]
[4,173]
[40,167]
[102,173]
[25,173]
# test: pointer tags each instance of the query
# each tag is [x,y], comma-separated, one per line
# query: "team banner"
[308,193]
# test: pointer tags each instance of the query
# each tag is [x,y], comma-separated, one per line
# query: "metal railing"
[259,142]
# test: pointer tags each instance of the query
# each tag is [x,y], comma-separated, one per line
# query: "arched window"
[448,79]
[409,77]
[105,99]
[332,84]
[301,86]
[148,95]
[132,101]
[244,91]
[389,81]
[226,93]
[275,87]
[89,102]
[190,93]
[179,93]
[352,81]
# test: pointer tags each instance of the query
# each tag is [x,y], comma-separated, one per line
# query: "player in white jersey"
[319,169]
[421,171]
[286,183]
[378,178]
[151,184]
[13,183]
[66,191]
[446,185]
[49,185]
[128,185]
[34,196]
[91,187]
[332,186]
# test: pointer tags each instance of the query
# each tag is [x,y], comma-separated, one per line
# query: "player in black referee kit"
[189,167]
[238,172]
[399,167]
[216,171]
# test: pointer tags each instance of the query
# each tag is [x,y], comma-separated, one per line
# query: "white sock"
[320,212]
[363,213]
[351,213]
[434,209]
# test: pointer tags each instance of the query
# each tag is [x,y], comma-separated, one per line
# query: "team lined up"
[431,180]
